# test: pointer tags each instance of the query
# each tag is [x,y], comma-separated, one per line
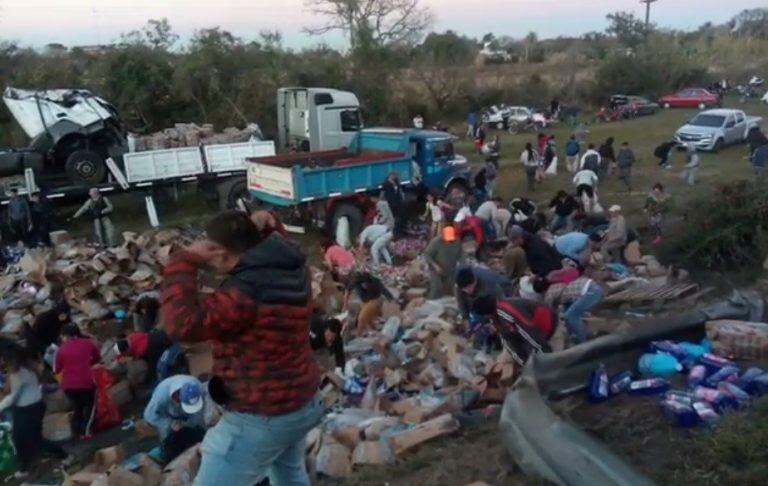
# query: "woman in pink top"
[339,260]
[74,360]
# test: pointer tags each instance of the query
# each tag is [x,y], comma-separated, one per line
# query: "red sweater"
[74,360]
[138,343]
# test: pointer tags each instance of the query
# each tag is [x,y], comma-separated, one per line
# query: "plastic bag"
[7,452]
[107,413]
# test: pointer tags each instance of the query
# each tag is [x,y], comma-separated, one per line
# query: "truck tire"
[354,216]
[231,191]
[514,127]
[719,144]
[85,167]
[500,125]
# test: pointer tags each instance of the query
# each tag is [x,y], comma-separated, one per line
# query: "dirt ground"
[469,455]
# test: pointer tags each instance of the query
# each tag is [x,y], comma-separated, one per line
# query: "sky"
[85,22]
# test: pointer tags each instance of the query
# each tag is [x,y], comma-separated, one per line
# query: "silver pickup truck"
[712,130]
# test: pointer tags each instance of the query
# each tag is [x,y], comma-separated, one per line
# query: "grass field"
[643,135]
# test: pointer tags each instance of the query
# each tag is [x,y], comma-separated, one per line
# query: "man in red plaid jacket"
[265,373]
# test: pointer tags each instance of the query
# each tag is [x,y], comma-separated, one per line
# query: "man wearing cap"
[616,236]
[176,410]
[473,282]
[443,254]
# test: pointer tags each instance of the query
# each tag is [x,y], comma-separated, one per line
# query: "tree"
[157,34]
[530,42]
[374,22]
[627,29]
[751,23]
[448,49]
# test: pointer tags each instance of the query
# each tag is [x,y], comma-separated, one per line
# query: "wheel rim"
[85,168]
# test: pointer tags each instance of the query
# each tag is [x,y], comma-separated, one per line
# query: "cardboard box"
[84,478]
[57,427]
[59,237]
[373,453]
[439,426]
[121,393]
[118,476]
[151,472]
[57,402]
[200,359]
[334,460]
[108,457]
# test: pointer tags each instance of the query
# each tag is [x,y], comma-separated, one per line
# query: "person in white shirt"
[585,182]
[590,160]
[435,212]
[530,159]
[378,236]
[418,122]
[487,214]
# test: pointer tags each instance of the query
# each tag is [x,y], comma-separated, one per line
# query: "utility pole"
[648,12]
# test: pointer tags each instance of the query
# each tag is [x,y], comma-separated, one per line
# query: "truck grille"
[689,138]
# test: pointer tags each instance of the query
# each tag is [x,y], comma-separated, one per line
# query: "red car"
[691,98]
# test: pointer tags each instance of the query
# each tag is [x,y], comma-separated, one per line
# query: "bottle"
[714,363]
[706,413]
[726,373]
[680,396]
[746,381]
[693,351]
[659,365]
[719,400]
[620,383]
[682,414]
[651,386]
[696,376]
[598,385]
[668,347]
[740,396]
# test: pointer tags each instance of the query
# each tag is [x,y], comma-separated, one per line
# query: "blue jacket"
[572,148]
[571,244]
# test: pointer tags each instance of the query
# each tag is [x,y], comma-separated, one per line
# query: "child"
[435,211]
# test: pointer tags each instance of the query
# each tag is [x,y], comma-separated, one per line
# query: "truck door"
[293,119]
[730,129]
[337,127]
[740,130]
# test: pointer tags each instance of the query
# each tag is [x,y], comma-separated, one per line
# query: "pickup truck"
[324,186]
[712,130]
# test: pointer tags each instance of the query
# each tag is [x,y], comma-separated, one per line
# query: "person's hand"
[205,250]
[176,426]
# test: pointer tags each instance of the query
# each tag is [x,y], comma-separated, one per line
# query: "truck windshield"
[708,121]
[444,149]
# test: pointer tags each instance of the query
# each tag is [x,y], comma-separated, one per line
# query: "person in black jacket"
[326,334]
[542,257]
[41,220]
[393,194]
[564,206]
[662,153]
[607,157]
[46,329]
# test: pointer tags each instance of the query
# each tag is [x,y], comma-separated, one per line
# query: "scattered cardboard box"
[372,453]
[439,426]
[57,427]
[108,457]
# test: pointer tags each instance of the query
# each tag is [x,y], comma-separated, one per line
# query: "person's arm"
[154,413]
[17,385]
[107,206]
[188,317]
[85,207]
[58,362]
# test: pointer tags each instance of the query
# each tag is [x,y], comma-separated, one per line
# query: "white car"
[496,117]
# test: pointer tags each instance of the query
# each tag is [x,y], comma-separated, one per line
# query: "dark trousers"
[18,230]
[178,442]
[84,411]
[663,160]
[28,435]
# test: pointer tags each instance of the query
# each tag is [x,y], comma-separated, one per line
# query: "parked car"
[496,117]
[691,98]
[634,105]
[712,130]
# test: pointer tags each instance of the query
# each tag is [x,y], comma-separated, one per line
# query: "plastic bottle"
[714,363]
[682,414]
[719,400]
[726,373]
[680,396]
[693,351]
[620,382]
[659,365]
[706,413]
[668,347]
[742,398]
[696,376]
[651,386]
[598,385]
[746,381]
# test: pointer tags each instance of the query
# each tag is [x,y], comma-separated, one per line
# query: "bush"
[724,230]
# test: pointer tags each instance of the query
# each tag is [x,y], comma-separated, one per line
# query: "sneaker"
[668,167]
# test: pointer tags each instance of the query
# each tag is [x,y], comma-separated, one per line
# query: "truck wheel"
[500,125]
[232,192]
[85,167]
[353,214]
[514,128]
[719,144]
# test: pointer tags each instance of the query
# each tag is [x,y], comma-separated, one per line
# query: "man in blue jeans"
[578,297]
[266,376]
